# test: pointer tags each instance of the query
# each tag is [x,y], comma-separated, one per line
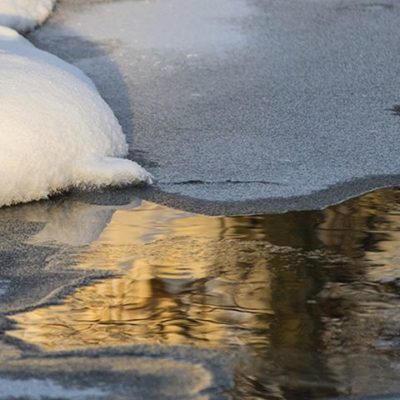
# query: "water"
[308,302]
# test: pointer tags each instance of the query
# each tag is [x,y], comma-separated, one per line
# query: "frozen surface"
[230,102]
[56,132]
[24,15]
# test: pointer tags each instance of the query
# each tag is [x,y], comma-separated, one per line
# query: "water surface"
[309,301]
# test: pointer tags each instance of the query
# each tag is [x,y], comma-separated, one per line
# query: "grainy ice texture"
[56,132]
[24,15]
[244,106]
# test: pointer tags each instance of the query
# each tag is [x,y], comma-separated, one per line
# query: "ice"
[56,132]
[24,15]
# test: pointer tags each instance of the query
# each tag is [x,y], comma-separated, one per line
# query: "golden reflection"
[180,279]
[278,283]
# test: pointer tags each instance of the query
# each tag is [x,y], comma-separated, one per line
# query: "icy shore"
[56,132]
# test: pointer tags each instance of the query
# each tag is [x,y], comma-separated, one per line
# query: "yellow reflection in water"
[180,279]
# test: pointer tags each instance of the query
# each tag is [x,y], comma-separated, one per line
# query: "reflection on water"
[312,297]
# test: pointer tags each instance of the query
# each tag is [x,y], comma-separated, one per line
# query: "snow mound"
[24,15]
[56,132]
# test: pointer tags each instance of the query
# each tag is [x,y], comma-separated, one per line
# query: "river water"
[303,305]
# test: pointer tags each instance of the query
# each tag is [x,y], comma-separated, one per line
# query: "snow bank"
[56,132]
[24,15]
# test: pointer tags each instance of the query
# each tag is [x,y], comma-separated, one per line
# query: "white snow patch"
[24,15]
[56,132]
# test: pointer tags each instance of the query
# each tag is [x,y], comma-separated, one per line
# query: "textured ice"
[56,132]
[24,15]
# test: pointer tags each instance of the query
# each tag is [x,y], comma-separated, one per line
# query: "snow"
[56,132]
[24,15]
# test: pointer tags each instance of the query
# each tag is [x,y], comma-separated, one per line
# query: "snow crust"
[56,132]
[24,15]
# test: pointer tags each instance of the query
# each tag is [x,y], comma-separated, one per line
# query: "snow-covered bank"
[24,15]
[56,132]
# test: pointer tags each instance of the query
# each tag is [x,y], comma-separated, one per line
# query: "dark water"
[309,301]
